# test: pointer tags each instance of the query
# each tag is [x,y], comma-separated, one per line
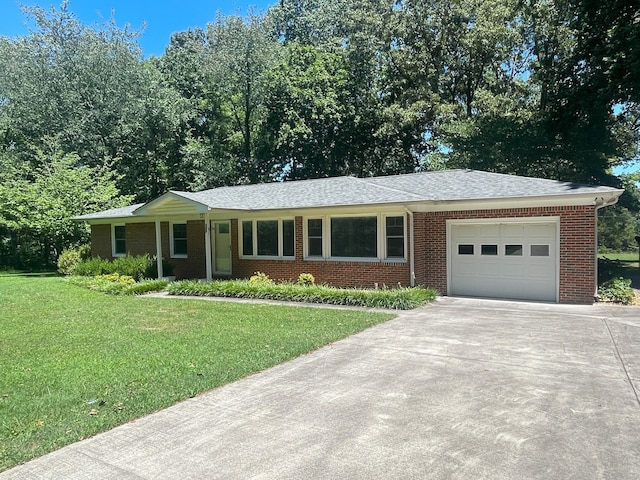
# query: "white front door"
[221,248]
[506,259]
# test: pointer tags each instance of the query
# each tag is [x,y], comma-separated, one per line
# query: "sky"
[162,17]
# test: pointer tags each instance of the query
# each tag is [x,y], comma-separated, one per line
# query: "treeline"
[310,88]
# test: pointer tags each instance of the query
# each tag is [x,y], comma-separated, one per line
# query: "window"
[371,237]
[268,238]
[314,237]
[288,238]
[119,242]
[513,250]
[465,249]
[179,240]
[395,237]
[354,237]
[247,239]
[489,250]
[539,250]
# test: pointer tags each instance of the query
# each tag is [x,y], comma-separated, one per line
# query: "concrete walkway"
[461,389]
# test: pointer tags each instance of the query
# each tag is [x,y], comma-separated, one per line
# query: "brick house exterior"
[429,249]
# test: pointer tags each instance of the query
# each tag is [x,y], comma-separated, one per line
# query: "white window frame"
[171,241]
[381,234]
[404,238]
[305,234]
[113,240]
[254,239]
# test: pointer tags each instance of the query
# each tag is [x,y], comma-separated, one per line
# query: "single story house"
[462,232]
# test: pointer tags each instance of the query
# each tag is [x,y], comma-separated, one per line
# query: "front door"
[222,248]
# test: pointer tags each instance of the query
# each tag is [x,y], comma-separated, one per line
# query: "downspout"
[159,249]
[412,279]
[599,203]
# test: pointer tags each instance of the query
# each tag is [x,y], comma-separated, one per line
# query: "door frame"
[214,224]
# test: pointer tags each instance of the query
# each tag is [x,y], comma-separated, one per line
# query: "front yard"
[76,362]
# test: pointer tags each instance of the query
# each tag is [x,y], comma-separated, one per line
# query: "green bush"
[94,267]
[136,267]
[115,284]
[69,259]
[617,290]
[396,298]
[306,279]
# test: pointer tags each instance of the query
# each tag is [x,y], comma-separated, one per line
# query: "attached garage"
[504,258]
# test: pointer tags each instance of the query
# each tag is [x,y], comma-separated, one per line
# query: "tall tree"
[94,93]
[240,53]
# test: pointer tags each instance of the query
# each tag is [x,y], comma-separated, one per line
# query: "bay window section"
[247,239]
[288,238]
[314,237]
[267,238]
[354,237]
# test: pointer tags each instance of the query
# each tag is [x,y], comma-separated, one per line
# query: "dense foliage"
[312,88]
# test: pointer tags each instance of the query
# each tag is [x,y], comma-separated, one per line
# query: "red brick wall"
[577,246]
[101,241]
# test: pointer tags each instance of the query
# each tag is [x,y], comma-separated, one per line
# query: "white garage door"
[504,260]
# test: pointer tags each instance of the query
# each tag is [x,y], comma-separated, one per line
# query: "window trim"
[254,238]
[172,240]
[113,240]
[381,237]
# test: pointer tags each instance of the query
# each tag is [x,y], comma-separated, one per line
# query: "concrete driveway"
[461,389]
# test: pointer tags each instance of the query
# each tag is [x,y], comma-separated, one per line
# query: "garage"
[506,258]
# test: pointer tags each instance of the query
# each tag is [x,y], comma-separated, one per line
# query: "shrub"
[115,284]
[617,290]
[306,279]
[136,267]
[69,259]
[94,267]
[260,278]
[395,298]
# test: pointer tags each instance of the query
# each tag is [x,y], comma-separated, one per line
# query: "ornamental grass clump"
[395,298]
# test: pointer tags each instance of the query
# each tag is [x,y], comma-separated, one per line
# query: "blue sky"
[162,17]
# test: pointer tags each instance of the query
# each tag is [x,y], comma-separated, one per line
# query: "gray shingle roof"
[448,185]
[122,212]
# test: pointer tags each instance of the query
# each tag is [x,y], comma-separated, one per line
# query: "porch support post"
[207,247]
[159,249]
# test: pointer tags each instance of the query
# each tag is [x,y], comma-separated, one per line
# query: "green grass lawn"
[629,259]
[75,362]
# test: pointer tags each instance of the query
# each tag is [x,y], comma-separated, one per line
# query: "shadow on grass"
[16,273]
[608,269]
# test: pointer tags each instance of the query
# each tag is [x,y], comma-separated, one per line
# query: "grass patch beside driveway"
[76,362]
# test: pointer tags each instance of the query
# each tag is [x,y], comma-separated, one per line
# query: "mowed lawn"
[75,362]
